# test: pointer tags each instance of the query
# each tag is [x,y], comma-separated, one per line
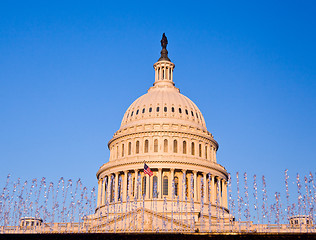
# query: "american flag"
[147,170]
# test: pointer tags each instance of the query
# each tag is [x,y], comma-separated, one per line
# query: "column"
[216,187]
[141,184]
[181,188]
[116,193]
[99,192]
[159,183]
[213,192]
[171,181]
[225,193]
[205,188]
[195,188]
[108,189]
[219,191]
[125,186]
[160,75]
[103,192]
[183,185]
[135,185]
[151,188]
[131,187]
[147,186]
[171,73]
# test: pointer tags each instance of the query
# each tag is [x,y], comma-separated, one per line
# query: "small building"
[30,222]
[300,220]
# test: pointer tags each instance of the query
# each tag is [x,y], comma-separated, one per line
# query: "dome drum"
[163,142]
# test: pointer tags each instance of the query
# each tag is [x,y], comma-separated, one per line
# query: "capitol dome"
[165,131]
[165,104]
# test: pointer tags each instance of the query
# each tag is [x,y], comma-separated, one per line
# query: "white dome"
[163,104]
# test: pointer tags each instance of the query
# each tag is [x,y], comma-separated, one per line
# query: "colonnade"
[164,71]
[165,183]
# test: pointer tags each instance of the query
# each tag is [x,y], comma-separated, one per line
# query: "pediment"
[140,220]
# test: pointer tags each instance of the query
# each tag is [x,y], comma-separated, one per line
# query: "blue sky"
[70,69]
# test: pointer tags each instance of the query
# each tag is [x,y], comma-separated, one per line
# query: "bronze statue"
[164,41]
[164,52]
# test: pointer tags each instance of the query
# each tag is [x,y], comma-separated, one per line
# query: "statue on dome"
[164,41]
[164,52]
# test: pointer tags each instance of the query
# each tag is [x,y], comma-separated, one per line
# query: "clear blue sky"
[70,69]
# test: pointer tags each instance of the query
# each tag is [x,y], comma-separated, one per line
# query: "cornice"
[121,164]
